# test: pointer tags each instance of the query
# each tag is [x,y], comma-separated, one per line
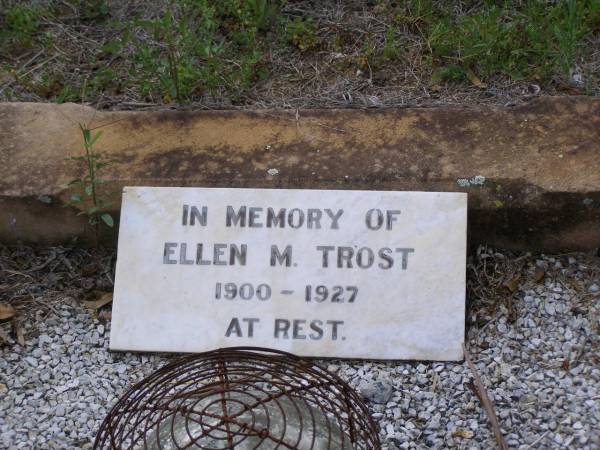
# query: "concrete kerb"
[532,172]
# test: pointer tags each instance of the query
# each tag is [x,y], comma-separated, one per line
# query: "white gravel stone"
[542,371]
[378,391]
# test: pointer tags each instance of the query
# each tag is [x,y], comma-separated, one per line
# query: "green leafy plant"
[302,34]
[390,49]
[200,46]
[87,196]
[567,36]
[257,14]
[21,22]
[536,40]
[66,94]
[165,61]
[92,9]
[102,79]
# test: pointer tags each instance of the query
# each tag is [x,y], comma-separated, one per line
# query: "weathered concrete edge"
[544,213]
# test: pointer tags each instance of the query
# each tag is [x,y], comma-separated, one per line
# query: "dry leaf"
[89,270]
[513,284]
[475,79]
[466,434]
[6,311]
[539,274]
[105,315]
[18,331]
[104,299]
[3,337]
[20,337]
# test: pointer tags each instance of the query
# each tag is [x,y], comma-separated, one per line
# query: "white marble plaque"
[349,274]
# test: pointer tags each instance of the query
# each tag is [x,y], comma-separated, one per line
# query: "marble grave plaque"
[324,273]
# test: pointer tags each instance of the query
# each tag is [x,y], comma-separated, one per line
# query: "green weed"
[20,23]
[390,49]
[202,46]
[167,61]
[194,50]
[87,196]
[534,41]
[301,33]
[248,14]
[67,94]
[91,9]
[102,79]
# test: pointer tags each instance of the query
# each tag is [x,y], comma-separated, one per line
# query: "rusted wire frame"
[183,384]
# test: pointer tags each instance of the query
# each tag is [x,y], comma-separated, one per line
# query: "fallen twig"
[481,393]
[105,299]
[34,68]
[538,440]
[32,59]
[137,104]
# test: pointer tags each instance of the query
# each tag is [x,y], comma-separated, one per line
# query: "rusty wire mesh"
[240,398]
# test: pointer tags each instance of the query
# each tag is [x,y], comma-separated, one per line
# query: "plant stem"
[174,73]
[91,171]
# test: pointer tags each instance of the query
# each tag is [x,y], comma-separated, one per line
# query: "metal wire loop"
[240,398]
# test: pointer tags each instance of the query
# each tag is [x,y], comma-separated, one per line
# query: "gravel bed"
[538,355]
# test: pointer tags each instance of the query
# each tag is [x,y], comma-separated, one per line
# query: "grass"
[536,42]
[20,24]
[277,52]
